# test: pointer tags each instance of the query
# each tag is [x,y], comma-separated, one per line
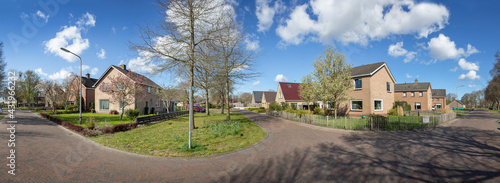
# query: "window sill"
[358,88]
[378,110]
[359,110]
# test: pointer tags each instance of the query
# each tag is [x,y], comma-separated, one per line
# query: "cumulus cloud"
[142,63]
[252,43]
[443,48]
[397,50]
[63,73]
[85,67]
[113,29]
[40,71]
[280,78]
[471,75]
[43,16]
[71,38]
[360,21]
[265,13]
[94,71]
[464,65]
[256,83]
[102,54]
[410,76]
[472,86]
[454,69]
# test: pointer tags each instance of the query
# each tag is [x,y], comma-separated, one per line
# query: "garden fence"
[350,123]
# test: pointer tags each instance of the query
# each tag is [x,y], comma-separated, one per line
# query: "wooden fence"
[387,124]
[161,117]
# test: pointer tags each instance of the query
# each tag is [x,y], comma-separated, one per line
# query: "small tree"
[52,92]
[167,94]
[306,90]
[124,90]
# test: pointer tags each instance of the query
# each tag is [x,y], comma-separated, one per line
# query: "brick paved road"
[466,150]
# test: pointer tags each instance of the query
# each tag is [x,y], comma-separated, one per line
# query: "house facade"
[267,98]
[418,95]
[456,105]
[148,98]
[373,91]
[289,93]
[438,99]
[88,92]
[257,98]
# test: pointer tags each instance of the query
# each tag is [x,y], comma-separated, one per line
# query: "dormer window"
[289,86]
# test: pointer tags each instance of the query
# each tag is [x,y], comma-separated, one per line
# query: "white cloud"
[359,21]
[265,13]
[87,20]
[256,83]
[240,68]
[280,78]
[70,38]
[43,16]
[124,28]
[63,73]
[252,45]
[472,86]
[85,67]
[464,65]
[470,75]
[409,56]
[396,50]
[40,71]
[122,62]
[113,29]
[94,71]
[102,54]
[443,48]
[142,64]
[409,76]
[24,15]
[454,69]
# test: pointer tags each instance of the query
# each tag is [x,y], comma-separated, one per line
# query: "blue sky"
[447,43]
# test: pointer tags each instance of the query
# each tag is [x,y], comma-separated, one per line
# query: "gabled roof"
[270,96]
[408,87]
[456,102]
[146,80]
[257,95]
[88,82]
[369,70]
[439,93]
[290,90]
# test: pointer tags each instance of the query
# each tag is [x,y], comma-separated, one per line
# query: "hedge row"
[84,131]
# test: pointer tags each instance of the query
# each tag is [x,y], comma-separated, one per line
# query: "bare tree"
[52,91]
[206,73]
[167,94]
[174,42]
[124,90]
[28,82]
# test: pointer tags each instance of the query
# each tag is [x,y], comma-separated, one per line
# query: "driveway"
[466,150]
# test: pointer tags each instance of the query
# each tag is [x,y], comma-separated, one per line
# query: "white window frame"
[120,105]
[440,106]
[412,94]
[357,109]
[420,94]
[388,84]
[361,84]
[102,109]
[415,105]
[381,104]
[404,94]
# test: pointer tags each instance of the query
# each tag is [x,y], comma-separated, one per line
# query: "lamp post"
[80,85]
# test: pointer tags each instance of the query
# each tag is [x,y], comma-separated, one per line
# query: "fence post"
[327,120]
[371,124]
[345,122]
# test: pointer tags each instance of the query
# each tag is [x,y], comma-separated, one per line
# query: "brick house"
[418,95]
[88,91]
[267,98]
[373,91]
[257,98]
[438,98]
[456,105]
[149,97]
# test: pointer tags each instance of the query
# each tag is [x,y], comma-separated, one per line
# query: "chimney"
[123,66]
[88,75]
[416,80]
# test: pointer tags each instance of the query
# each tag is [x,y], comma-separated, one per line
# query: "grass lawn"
[165,138]
[110,119]
[49,112]
[257,110]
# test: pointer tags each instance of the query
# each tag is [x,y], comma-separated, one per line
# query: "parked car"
[196,108]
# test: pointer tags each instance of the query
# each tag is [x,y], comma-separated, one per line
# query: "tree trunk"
[228,115]
[191,95]
[121,115]
[222,109]
[207,107]
[335,110]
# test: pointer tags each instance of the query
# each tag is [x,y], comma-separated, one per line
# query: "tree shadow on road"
[445,154]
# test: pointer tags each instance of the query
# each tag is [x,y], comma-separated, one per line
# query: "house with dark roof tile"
[256,98]
[149,97]
[289,93]
[267,98]
[418,95]
[88,91]
[438,98]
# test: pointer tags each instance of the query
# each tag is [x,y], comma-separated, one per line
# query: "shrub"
[274,106]
[91,123]
[92,106]
[194,147]
[132,114]
[262,108]
[378,121]
[318,110]
[284,105]
[223,128]
[393,112]
[113,112]
[404,104]
[152,110]
[290,110]
[119,128]
[146,110]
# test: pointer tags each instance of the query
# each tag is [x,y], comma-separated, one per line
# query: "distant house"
[438,98]
[289,93]
[267,98]
[456,105]
[418,95]
[88,92]
[257,98]
[149,97]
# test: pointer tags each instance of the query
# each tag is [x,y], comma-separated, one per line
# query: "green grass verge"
[257,110]
[1,116]
[110,119]
[167,138]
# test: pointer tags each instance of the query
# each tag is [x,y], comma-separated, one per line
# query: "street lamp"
[456,90]
[80,85]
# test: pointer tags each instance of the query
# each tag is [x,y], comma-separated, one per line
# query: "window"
[357,105]
[417,106]
[358,84]
[293,105]
[281,95]
[388,87]
[157,90]
[404,94]
[121,105]
[437,99]
[438,106]
[412,94]
[149,89]
[420,94]
[104,104]
[377,103]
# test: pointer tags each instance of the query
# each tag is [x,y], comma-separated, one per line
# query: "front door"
[147,110]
